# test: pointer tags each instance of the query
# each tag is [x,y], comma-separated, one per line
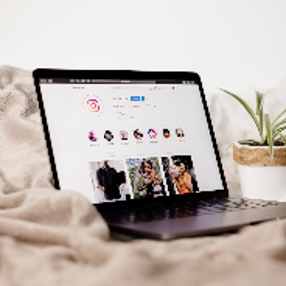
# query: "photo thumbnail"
[137,134]
[180,175]
[146,177]
[180,132]
[109,180]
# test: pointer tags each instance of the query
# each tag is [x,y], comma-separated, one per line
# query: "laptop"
[140,146]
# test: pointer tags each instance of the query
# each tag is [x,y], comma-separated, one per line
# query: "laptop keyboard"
[156,211]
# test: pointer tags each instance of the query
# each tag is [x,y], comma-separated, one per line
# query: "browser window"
[125,140]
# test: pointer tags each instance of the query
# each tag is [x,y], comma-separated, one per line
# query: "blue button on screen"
[135,98]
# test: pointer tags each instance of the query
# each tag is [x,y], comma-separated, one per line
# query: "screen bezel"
[163,77]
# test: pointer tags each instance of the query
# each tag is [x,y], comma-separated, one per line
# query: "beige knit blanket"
[50,237]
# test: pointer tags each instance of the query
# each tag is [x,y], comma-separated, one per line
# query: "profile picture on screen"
[180,132]
[166,133]
[137,134]
[108,135]
[152,133]
[92,137]
[123,135]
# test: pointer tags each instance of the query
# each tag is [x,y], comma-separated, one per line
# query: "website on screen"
[115,142]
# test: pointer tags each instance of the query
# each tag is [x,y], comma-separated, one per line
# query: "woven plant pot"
[260,177]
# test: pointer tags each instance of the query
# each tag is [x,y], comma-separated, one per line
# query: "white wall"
[235,44]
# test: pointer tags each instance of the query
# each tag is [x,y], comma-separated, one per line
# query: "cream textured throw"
[48,237]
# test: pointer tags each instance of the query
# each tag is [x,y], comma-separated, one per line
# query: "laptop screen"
[121,140]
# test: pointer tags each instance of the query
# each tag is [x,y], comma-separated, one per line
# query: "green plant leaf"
[259,112]
[278,124]
[259,101]
[269,135]
[278,131]
[246,106]
[228,147]
[279,116]
[247,141]
[283,138]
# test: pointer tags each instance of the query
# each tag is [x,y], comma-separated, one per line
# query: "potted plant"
[262,162]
